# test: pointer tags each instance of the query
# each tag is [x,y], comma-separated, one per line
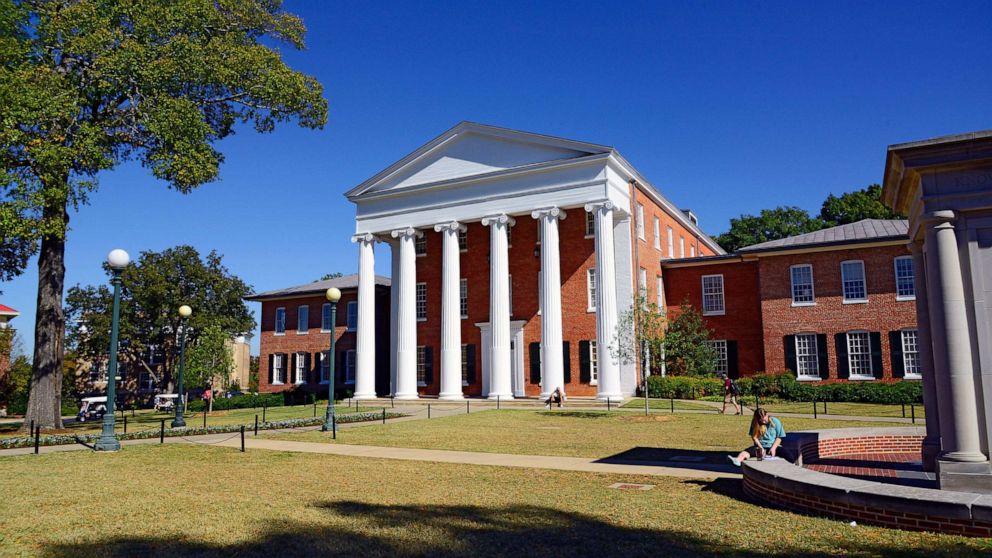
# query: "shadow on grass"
[697,460]
[576,414]
[361,529]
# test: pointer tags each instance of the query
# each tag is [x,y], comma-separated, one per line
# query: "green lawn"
[150,501]
[666,405]
[567,433]
[850,409]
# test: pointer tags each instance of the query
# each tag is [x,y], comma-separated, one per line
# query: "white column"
[451,314]
[394,312]
[960,366]
[499,306]
[606,302]
[365,336]
[406,316]
[552,368]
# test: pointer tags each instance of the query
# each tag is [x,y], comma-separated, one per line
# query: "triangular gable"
[471,150]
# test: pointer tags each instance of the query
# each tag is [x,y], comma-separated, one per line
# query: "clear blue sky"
[726,107]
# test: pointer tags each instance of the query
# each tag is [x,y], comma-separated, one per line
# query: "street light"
[333,296]
[184,313]
[118,260]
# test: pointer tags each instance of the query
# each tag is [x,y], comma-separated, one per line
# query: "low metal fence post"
[383,415]
[37,438]
[912,409]
[814,408]
[256,425]
[161,432]
[125,424]
[242,438]
[672,402]
[265,407]
[428,410]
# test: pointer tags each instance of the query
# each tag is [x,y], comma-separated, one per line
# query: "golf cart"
[165,402]
[92,408]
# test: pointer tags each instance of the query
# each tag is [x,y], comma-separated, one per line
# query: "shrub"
[786,387]
[241,402]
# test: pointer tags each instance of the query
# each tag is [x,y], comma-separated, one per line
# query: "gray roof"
[866,230]
[317,287]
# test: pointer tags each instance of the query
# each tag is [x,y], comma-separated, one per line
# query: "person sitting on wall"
[557,396]
[766,432]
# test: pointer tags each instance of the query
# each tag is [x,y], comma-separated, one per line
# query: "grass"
[849,409]
[150,501]
[566,433]
[666,404]
[148,419]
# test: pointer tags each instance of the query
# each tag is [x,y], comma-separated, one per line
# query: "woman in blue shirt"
[767,432]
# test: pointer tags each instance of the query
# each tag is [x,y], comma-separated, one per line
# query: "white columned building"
[406,315]
[365,341]
[552,371]
[451,320]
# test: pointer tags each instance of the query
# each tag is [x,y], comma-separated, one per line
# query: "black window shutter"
[470,356]
[535,363]
[875,339]
[307,376]
[732,368]
[895,347]
[429,365]
[585,375]
[843,369]
[822,357]
[271,365]
[566,361]
[789,342]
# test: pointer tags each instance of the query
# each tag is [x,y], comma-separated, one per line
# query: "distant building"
[6,338]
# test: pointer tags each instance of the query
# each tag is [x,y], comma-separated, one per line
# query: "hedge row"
[786,387]
[241,402]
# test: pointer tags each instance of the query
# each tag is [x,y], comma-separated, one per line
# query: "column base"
[613,397]
[964,457]
[964,477]
[107,445]
[406,396]
[500,396]
[451,396]
[364,396]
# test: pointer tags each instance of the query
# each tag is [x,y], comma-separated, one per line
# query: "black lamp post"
[108,441]
[184,312]
[333,296]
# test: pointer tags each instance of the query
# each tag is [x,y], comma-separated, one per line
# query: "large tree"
[210,360]
[687,351]
[770,224]
[153,290]
[88,84]
[855,206]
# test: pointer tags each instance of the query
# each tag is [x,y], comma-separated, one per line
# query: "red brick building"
[834,304]
[295,336]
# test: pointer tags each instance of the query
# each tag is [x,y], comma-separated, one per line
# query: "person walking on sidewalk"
[731,391]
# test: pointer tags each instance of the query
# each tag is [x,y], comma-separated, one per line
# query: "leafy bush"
[241,402]
[787,388]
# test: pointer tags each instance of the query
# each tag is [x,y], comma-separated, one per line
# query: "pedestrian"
[766,432]
[208,396]
[731,392]
[557,396]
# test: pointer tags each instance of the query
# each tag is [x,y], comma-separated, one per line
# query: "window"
[642,282]
[278,369]
[807,359]
[591,289]
[302,319]
[660,286]
[681,246]
[590,224]
[464,365]
[905,284]
[463,240]
[671,242]
[720,348]
[325,317]
[463,297]
[154,354]
[802,285]
[713,295]
[692,250]
[593,364]
[325,367]
[300,372]
[352,315]
[349,367]
[853,277]
[859,355]
[911,354]
[422,301]
[420,245]
[421,366]
[280,321]
[639,221]
[657,234]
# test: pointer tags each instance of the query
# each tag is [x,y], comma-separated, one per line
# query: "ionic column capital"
[449,226]
[364,237]
[550,212]
[605,205]
[407,232]
[498,219]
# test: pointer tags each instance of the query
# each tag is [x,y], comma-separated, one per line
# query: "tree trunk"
[45,400]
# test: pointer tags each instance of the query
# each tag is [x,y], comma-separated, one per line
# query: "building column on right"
[608,382]
[931,443]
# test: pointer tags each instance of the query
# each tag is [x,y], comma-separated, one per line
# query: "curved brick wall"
[902,507]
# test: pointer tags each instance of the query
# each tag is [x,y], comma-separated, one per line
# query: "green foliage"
[786,387]
[686,349]
[640,327]
[253,374]
[209,360]
[770,224]
[330,276]
[855,206]
[240,402]
[153,289]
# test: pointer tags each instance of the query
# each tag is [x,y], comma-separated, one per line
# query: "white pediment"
[473,150]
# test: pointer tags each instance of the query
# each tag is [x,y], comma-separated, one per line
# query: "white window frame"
[278,370]
[325,367]
[420,245]
[325,318]
[421,302]
[303,318]
[463,298]
[660,295]
[807,350]
[918,374]
[280,326]
[792,285]
[681,246]
[590,224]
[671,242]
[591,289]
[692,250]
[722,310]
[642,280]
[850,354]
[722,360]
[639,221]
[657,233]
[300,370]
[463,240]
[349,366]
[352,315]
[593,363]
[844,280]
[912,278]
[421,365]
